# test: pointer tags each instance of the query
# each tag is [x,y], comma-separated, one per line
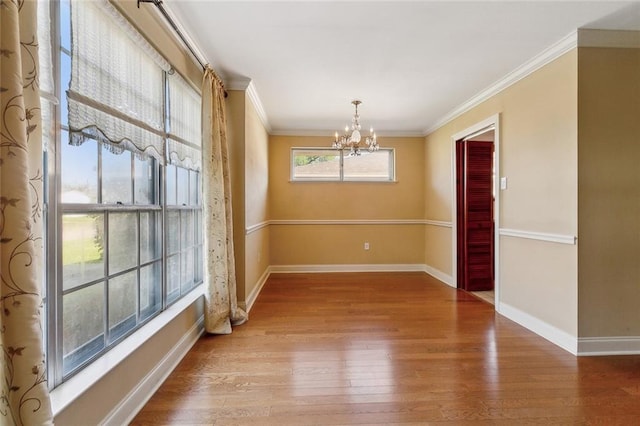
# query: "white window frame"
[340,178]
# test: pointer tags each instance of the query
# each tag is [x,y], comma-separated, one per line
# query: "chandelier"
[351,140]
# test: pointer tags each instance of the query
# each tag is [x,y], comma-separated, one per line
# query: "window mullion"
[139,266]
[163,192]
[106,284]
[54,225]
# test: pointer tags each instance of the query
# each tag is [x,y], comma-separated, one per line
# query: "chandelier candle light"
[352,140]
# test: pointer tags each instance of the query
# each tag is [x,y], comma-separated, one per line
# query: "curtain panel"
[24,397]
[221,303]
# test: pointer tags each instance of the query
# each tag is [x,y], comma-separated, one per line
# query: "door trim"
[492,121]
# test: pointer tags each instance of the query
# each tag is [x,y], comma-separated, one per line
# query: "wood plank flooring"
[388,348]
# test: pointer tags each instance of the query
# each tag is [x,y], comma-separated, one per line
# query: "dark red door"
[475,215]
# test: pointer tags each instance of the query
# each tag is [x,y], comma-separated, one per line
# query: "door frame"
[486,124]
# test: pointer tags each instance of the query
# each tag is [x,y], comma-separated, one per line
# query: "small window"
[321,164]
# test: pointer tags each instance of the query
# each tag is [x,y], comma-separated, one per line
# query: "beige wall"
[256,199]
[538,155]
[609,191]
[235,112]
[249,157]
[321,244]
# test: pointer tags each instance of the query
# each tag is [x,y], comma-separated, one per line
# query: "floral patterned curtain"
[221,303]
[24,397]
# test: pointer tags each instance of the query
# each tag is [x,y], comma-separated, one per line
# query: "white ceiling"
[411,63]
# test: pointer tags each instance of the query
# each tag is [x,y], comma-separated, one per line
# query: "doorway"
[475,201]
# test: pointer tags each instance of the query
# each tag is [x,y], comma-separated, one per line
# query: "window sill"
[341,181]
[63,395]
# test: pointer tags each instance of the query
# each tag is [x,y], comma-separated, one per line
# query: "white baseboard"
[133,402]
[257,289]
[348,268]
[621,345]
[553,334]
[439,275]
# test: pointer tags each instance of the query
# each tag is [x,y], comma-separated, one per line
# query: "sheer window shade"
[45,76]
[116,89]
[185,123]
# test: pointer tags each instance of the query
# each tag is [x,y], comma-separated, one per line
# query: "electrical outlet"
[366,245]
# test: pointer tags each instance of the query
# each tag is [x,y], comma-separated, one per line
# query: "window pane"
[82,248]
[187,228]
[315,164]
[150,290]
[173,231]
[194,188]
[373,166]
[187,270]
[150,242]
[171,185]
[183,186]
[145,179]
[173,278]
[82,325]
[122,304]
[123,242]
[79,171]
[116,176]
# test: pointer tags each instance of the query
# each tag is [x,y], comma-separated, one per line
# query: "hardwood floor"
[388,348]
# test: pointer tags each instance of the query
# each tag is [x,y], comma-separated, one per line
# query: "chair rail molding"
[540,236]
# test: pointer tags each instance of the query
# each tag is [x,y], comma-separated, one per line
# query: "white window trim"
[292,178]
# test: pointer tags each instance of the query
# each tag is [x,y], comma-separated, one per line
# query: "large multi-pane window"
[128,222]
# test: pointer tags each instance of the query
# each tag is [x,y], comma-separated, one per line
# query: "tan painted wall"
[538,155]
[256,198]
[609,191]
[101,398]
[235,110]
[319,244]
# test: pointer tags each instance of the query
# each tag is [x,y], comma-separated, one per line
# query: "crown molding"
[329,133]
[238,84]
[609,38]
[555,51]
[257,104]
